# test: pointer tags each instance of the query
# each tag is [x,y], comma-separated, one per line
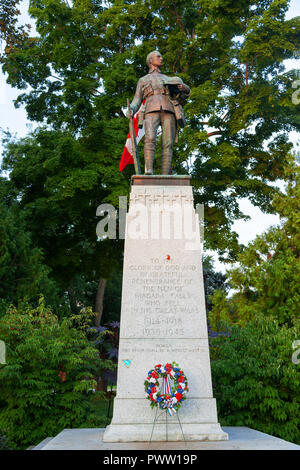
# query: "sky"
[16,122]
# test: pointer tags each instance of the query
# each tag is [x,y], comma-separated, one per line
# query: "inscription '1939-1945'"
[163,332]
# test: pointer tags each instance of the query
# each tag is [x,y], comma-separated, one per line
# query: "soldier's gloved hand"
[128,114]
[184,88]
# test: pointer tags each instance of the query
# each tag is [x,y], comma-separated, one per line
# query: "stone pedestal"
[163,316]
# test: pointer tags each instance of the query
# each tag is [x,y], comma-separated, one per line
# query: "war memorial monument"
[163,348]
[163,317]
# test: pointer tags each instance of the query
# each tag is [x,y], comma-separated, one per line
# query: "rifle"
[133,142]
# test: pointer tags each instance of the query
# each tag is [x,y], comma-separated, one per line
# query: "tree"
[86,58]
[113,296]
[10,32]
[255,381]
[66,177]
[212,280]
[266,281]
[23,273]
[58,182]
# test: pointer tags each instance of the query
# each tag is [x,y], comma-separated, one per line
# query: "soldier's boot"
[166,161]
[148,163]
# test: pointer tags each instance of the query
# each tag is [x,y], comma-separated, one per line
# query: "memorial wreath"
[174,387]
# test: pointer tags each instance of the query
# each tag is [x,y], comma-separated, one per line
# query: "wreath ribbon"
[167,390]
[166,386]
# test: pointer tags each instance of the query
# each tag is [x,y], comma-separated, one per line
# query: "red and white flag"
[127,156]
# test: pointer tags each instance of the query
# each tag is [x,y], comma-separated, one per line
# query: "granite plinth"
[161,180]
[163,316]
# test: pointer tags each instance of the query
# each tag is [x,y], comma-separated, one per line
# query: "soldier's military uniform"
[158,110]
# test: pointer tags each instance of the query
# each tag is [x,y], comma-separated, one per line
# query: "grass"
[102,413]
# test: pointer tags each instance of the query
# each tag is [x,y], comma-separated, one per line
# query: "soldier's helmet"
[172,84]
[174,81]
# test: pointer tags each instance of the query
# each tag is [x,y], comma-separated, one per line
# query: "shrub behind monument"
[45,386]
[255,381]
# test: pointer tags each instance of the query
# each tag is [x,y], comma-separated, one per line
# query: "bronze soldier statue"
[163,106]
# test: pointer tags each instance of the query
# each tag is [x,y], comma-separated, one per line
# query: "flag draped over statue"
[127,152]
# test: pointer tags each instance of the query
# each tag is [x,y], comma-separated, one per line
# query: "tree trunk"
[99,301]
[72,300]
[102,386]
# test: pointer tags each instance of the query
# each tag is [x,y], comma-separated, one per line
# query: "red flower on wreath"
[178,396]
[180,379]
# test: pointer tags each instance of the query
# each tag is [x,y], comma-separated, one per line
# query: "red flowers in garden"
[62,375]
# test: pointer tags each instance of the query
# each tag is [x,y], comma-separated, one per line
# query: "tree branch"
[57,78]
[225,115]
[209,134]
[178,21]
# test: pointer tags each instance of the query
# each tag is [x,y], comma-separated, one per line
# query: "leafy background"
[74,72]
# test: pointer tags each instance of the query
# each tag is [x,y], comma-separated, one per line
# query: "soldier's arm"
[185,89]
[138,98]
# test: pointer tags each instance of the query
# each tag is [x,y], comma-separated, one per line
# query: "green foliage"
[84,63]
[255,382]
[45,386]
[222,313]
[23,272]
[107,343]
[267,278]
[12,33]
[3,443]
[212,280]
[112,299]
[60,185]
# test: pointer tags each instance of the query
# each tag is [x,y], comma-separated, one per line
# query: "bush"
[45,385]
[256,384]
[3,443]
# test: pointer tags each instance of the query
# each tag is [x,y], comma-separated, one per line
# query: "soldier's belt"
[160,91]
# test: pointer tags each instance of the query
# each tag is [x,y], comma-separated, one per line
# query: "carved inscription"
[161,348]
[163,295]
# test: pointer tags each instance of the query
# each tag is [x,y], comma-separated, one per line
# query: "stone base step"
[174,431]
[41,444]
[240,438]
